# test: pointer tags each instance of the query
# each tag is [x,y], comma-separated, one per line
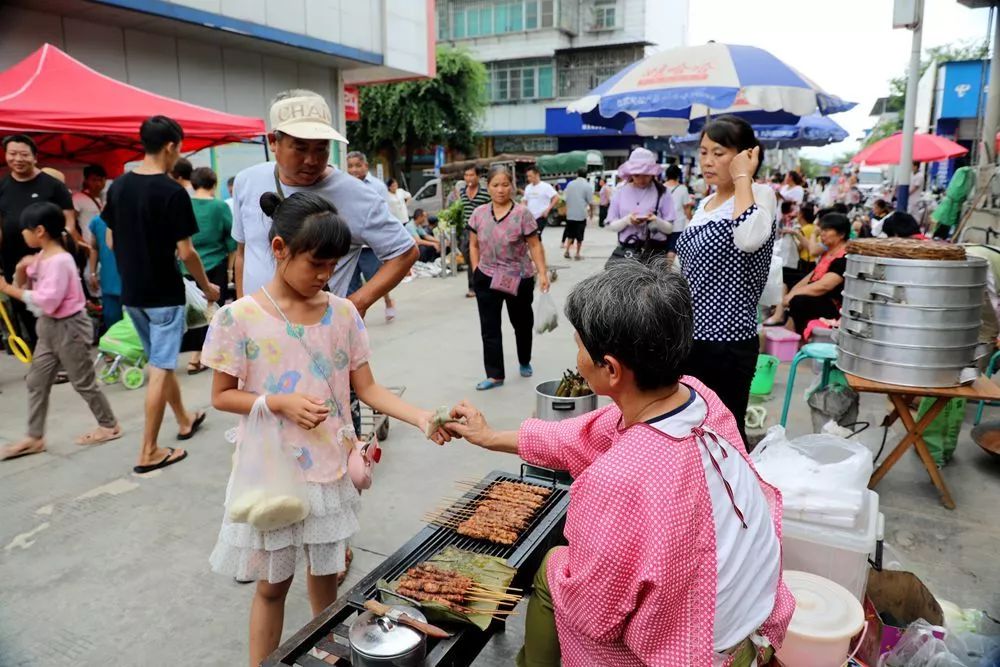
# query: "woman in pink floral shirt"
[505,253]
[674,542]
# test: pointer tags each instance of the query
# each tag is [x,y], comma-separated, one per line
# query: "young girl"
[49,285]
[304,349]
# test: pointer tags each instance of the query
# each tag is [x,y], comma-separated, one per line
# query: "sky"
[847,47]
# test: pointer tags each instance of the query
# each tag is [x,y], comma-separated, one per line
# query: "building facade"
[231,55]
[542,54]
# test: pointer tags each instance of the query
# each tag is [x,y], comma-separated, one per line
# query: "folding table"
[983,389]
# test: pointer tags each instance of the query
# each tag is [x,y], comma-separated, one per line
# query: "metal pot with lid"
[377,641]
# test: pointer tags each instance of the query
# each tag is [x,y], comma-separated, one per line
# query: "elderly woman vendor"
[674,541]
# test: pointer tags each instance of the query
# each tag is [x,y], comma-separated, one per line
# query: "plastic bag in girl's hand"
[546,314]
[267,489]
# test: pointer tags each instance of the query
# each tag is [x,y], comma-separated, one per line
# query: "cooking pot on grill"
[378,641]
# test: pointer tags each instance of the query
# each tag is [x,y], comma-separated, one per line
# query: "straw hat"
[641,162]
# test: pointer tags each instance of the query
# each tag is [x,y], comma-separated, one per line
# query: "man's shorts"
[161,331]
[574,230]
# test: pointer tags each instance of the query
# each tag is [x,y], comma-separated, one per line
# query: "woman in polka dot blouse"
[725,253]
[674,551]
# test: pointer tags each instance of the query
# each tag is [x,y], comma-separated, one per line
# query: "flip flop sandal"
[194,369]
[348,559]
[7,453]
[97,438]
[195,426]
[168,461]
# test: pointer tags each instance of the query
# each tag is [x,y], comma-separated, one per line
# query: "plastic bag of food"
[267,489]
[772,294]
[546,314]
[918,647]
[197,309]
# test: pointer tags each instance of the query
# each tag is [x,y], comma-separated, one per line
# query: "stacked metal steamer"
[911,313]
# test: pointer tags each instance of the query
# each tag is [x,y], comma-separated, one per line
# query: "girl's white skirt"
[320,539]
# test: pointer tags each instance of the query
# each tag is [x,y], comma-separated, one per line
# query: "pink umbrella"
[926,148]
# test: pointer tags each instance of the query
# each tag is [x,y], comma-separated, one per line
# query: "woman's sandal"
[488,383]
[195,367]
[99,436]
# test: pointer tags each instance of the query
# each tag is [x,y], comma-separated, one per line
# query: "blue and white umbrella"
[813,130]
[670,92]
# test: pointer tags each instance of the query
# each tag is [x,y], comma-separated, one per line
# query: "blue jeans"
[368,266]
[161,331]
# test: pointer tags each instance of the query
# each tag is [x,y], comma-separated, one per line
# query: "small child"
[49,285]
[304,349]
[105,278]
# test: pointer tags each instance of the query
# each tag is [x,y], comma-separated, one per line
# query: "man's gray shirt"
[578,195]
[361,206]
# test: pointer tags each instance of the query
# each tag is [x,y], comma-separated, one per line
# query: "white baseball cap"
[306,117]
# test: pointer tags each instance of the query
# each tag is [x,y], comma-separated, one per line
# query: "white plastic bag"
[267,489]
[817,473]
[198,312]
[772,289]
[546,314]
[789,251]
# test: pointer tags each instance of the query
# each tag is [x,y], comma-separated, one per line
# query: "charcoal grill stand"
[328,631]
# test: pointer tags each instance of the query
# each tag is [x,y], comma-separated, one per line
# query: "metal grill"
[439,537]
[328,631]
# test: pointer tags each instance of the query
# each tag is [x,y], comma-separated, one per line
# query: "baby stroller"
[120,356]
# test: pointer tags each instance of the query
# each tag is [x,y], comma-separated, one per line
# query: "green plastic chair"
[825,352]
[991,368]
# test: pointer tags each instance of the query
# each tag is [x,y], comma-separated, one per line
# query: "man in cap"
[301,132]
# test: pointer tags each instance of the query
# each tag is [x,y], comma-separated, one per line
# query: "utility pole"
[908,14]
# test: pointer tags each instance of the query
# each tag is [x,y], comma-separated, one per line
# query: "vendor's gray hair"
[639,314]
[359,155]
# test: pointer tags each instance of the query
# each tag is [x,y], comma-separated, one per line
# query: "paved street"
[100,566]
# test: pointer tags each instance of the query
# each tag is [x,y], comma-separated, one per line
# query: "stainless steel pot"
[377,641]
[907,354]
[925,296]
[907,375]
[898,334]
[552,408]
[971,271]
[895,313]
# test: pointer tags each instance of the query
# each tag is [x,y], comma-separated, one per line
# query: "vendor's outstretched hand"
[475,429]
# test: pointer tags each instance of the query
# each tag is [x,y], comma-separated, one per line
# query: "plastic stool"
[825,352]
[991,368]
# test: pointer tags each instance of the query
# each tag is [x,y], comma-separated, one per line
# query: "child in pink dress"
[48,283]
[303,349]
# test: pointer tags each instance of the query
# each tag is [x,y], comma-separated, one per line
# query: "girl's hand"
[306,412]
[440,435]
[634,219]
[745,163]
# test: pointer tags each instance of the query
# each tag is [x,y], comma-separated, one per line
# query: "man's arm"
[188,255]
[390,274]
[241,249]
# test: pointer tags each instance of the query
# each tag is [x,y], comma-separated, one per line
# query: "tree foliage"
[404,117]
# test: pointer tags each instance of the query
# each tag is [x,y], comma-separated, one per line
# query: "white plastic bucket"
[826,618]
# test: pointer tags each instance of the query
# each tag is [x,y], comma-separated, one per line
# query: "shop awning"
[77,114]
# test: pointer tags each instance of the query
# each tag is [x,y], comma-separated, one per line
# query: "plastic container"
[763,378]
[826,618]
[835,553]
[782,343]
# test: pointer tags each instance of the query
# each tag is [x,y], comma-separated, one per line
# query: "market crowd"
[669,332]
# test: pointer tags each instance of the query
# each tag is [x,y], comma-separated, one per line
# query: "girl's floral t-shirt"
[268,357]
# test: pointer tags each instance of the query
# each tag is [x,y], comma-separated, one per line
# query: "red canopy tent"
[79,115]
